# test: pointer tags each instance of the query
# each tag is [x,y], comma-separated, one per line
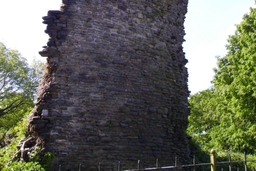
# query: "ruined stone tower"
[116,84]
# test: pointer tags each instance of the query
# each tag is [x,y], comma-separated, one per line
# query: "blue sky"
[208,24]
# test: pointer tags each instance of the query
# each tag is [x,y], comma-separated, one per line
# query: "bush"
[9,152]
[20,166]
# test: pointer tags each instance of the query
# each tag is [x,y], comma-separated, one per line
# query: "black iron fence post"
[157,164]
[119,166]
[80,165]
[99,167]
[138,165]
[176,163]
[229,162]
[194,162]
[245,164]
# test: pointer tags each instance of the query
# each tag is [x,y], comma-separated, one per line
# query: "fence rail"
[212,165]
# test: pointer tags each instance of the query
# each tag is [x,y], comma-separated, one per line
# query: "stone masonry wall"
[116,84]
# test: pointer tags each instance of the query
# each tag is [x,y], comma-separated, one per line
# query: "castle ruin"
[115,88]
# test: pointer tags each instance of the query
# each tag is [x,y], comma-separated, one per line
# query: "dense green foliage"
[224,117]
[18,83]
[8,153]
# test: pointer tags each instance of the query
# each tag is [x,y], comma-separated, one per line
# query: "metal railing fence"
[213,165]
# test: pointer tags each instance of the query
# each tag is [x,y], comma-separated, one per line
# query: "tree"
[235,80]
[203,117]
[18,83]
[232,101]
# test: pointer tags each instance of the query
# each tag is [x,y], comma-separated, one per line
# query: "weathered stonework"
[116,84]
